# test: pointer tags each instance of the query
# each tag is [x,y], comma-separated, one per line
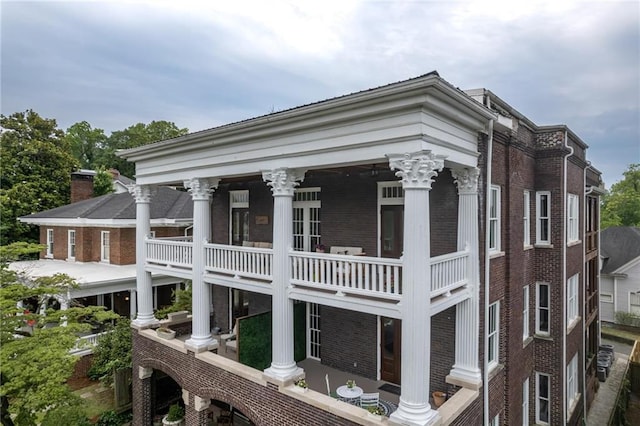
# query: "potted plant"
[439,397]
[351,384]
[165,333]
[320,248]
[174,417]
[301,385]
[375,412]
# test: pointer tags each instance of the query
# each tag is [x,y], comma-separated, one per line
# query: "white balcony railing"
[87,343]
[237,261]
[362,275]
[372,276]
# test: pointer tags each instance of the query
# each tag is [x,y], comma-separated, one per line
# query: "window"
[525,403]
[239,214]
[573,204]
[572,299]
[49,242]
[527,219]
[306,218]
[105,247]
[606,297]
[494,343]
[525,312]
[71,244]
[634,303]
[572,383]
[494,219]
[542,398]
[542,309]
[543,216]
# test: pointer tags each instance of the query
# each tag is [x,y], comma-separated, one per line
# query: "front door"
[391,221]
[390,335]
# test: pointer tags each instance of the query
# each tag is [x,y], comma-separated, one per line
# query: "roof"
[166,204]
[619,245]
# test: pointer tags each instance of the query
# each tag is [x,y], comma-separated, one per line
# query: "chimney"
[82,185]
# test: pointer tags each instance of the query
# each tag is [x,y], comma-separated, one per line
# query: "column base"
[283,374]
[142,322]
[201,344]
[414,414]
[466,378]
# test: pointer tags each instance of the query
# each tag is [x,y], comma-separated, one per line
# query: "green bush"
[67,415]
[111,418]
[627,318]
[176,412]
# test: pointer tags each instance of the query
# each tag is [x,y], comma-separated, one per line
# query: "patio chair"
[230,339]
[369,400]
[232,335]
[331,394]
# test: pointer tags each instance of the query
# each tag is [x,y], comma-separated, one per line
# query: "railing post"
[282,182]
[466,370]
[417,171]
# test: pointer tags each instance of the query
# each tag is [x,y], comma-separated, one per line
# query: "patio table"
[349,394]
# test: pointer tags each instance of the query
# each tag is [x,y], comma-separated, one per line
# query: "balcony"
[372,280]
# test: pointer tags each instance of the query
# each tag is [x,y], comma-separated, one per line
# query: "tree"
[34,346]
[102,182]
[113,352]
[621,205]
[134,136]
[36,166]
[85,143]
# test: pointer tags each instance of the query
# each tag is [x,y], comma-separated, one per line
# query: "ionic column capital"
[142,193]
[417,169]
[283,181]
[201,188]
[466,179]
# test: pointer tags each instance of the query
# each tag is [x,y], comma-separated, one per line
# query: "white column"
[417,171]
[143,195]
[282,183]
[466,370]
[200,189]
[133,303]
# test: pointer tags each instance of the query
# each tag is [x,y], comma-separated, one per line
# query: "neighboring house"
[93,240]
[620,272]
[457,249]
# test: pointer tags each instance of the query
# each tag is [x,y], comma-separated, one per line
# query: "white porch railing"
[448,272]
[243,262]
[371,276]
[170,253]
[87,343]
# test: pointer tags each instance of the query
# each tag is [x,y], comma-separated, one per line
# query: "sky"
[204,64]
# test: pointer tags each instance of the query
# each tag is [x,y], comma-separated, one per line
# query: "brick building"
[438,238]
[94,241]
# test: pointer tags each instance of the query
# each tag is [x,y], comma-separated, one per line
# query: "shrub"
[627,318]
[176,412]
[67,415]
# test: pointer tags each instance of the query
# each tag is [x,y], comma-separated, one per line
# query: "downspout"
[584,287]
[487,264]
[564,277]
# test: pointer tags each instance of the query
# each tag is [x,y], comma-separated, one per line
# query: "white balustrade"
[244,262]
[448,272]
[84,343]
[170,253]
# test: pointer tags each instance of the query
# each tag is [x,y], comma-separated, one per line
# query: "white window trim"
[495,221]
[307,203]
[494,331]
[573,219]
[606,295]
[543,216]
[547,398]
[105,255]
[525,313]
[632,294]
[71,247]
[527,219]
[539,308]
[49,243]
[496,420]
[525,402]
[572,300]
[572,384]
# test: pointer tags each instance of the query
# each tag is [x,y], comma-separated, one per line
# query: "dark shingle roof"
[166,204]
[618,246]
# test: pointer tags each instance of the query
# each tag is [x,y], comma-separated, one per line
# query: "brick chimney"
[82,185]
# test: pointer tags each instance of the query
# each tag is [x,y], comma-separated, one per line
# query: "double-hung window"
[494,334]
[494,219]
[572,383]
[572,299]
[573,204]
[543,217]
[525,312]
[71,244]
[542,309]
[525,403]
[526,220]
[105,246]
[543,382]
[49,242]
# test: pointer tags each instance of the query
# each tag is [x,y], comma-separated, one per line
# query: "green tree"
[34,347]
[36,165]
[85,143]
[102,182]
[134,136]
[621,205]
[113,352]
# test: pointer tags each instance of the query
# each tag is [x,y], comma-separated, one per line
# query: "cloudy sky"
[203,64]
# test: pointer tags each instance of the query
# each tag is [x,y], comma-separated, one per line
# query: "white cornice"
[103,223]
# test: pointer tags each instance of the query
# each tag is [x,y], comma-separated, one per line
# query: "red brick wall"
[81,187]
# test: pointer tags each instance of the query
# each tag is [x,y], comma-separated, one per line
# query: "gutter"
[487,264]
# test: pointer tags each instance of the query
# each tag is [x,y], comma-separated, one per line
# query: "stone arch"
[157,364]
[249,410]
